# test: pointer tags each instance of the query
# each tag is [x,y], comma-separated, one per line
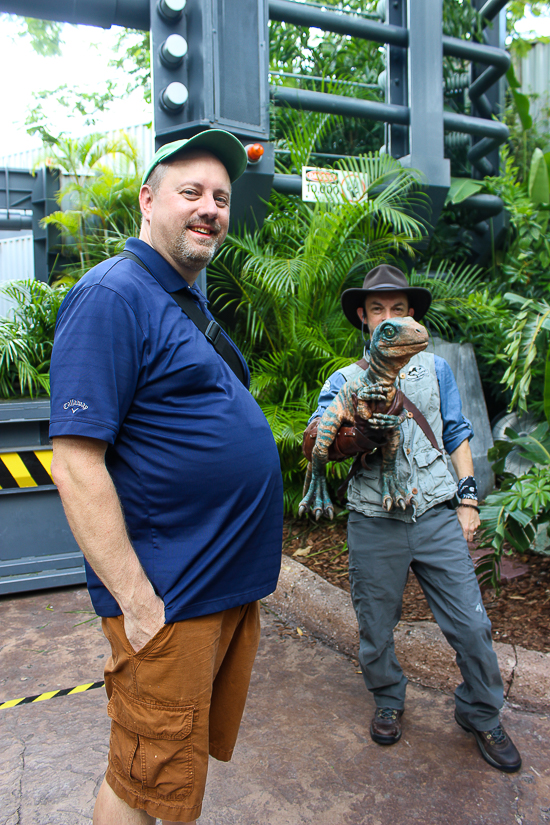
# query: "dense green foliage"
[511,515]
[26,338]
[99,202]
[279,288]
[283,285]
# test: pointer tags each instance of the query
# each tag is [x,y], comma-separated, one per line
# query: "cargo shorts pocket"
[150,745]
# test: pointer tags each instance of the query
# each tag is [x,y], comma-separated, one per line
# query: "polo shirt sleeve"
[97,358]
[456,428]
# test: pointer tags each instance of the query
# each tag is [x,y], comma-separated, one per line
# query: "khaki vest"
[419,464]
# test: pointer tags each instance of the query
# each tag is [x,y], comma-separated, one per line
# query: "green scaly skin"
[393,344]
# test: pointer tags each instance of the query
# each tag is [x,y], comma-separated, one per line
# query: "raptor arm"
[383,421]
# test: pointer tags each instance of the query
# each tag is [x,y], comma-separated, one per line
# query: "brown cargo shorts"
[174,702]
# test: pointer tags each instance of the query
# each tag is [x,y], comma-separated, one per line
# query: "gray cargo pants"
[380,552]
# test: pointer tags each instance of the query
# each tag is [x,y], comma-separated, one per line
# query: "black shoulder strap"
[210,329]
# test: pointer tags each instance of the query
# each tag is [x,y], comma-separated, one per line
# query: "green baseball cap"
[225,146]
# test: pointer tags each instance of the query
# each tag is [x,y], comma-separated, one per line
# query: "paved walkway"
[304,754]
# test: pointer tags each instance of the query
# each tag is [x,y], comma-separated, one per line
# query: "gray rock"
[462,360]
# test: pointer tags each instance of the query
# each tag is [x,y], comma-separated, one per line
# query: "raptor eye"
[388,331]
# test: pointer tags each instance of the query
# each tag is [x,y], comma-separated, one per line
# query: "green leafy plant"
[99,203]
[527,354]
[512,514]
[26,338]
[281,287]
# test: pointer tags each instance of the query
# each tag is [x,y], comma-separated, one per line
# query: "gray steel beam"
[339,22]
[491,8]
[478,52]
[397,83]
[46,238]
[339,105]
[132,14]
[16,222]
[288,184]
[425,71]
[488,206]
[487,89]
[455,122]
[16,188]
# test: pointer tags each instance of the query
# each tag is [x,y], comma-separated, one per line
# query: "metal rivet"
[171,9]
[174,97]
[414,491]
[173,50]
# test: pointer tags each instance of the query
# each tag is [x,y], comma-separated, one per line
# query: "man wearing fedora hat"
[431,539]
[156,441]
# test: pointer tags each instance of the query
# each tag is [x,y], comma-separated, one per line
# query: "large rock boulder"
[462,360]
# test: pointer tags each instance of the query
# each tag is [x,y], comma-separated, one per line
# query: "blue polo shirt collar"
[163,272]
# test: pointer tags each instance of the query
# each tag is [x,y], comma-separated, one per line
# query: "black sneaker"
[495,745]
[385,728]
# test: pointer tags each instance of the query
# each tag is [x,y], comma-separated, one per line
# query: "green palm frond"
[26,338]
[283,283]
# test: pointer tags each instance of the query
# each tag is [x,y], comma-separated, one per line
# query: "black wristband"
[469,506]
[467,488]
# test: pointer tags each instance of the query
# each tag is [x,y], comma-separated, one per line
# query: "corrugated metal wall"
[16,253]
[142,136]
[16,263]
[533,72]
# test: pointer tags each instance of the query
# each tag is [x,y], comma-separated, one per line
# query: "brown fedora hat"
[385,279]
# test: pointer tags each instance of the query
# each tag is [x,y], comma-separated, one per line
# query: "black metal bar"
[16,222]
[287,184]
[454,122]
[487,79]
[339,105]
[338,22]
[491,8]
[328,79]
[132,14]
[488,206]
[477,52]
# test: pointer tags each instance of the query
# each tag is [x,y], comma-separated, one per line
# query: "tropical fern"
[281,288]
[26,338]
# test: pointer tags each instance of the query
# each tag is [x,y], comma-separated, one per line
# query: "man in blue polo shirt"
[171,483]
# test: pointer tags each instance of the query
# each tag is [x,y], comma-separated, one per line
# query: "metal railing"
[498,61]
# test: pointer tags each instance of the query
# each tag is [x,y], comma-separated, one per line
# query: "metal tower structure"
[210,61]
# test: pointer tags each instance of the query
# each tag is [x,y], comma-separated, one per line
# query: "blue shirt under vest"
[190,452]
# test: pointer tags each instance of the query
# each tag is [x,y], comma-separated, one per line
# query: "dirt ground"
[520,614]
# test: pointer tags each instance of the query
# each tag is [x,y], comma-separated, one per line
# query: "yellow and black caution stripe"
[51,694]
[25,468]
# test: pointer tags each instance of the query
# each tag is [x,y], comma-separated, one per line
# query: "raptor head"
[398,339]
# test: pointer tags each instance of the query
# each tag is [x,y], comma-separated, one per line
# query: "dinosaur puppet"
[371,397]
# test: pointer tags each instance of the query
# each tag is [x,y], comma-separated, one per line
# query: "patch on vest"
[326,386]
[416,372]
